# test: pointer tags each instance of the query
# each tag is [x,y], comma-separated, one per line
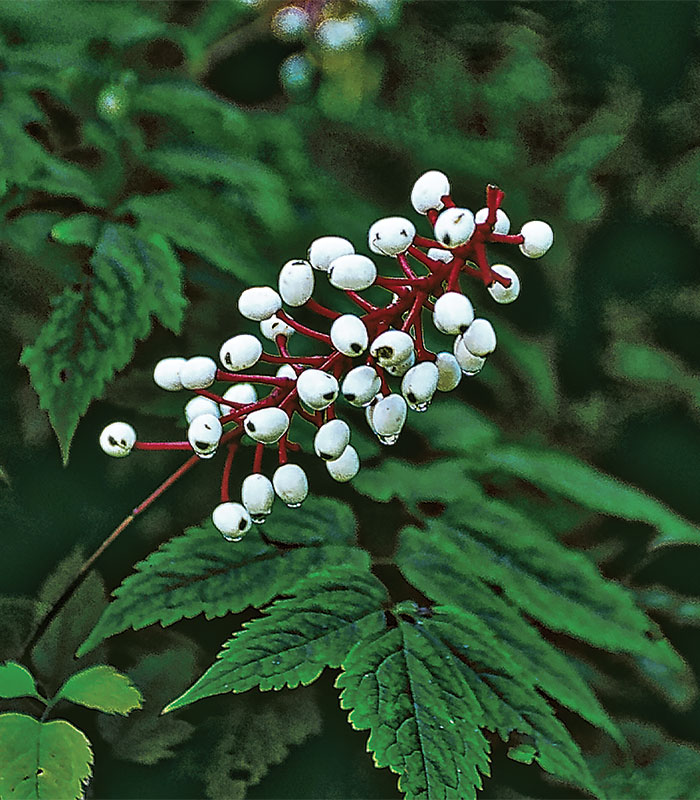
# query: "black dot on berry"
[329,395]
[227,360]
[201,445]
[349,397]
[403,233]
[123,443]
[112,441]
[446,239]
[241,525]
[325,456]
[355,347]
[251,427]
[463,328]
[411,397]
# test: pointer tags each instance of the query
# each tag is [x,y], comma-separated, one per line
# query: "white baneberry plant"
[376,359]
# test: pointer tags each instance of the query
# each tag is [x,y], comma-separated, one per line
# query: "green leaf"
[42,759]
[408,690]
[298,637]
[17,681]
[103,688]
[565,475]
[78,229]
[201,573]
[92,332]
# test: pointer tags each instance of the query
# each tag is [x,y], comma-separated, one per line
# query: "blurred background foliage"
[215,140]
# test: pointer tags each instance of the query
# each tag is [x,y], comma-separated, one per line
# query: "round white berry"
[317,389]
[388,417]
[392,347]
[360,385]
[259,303]
[449,372]
[231,520]
[257,495]
[469,363]
[286,371]
[326,249]
[352,272]
[166,373]
[204,434]
[296,282]
[454,227]
[480,339]
[400,369]
[391,236]
[200,405]
[453,313]
[502,224]
[291,484]
[331,439]
[501,293]
[240,352]
[538,238]
[419,385]
[369,410]
[349,335]
[345,467]
[242,393]
[117,439]
[428,190]
[198,372]
[273,327]
[266,425]
[438,254]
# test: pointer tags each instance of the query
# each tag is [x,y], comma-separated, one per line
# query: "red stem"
[299,328]
[233,377]
[360,301]
[270,359]
[166,485]
[257,460]
[312,305]
[405,266]
[162,446]
[226,474]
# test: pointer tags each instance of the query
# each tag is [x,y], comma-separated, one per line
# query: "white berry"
[273,327]
[438,254]
[266,425]
[388,417]
[361,385]
[392,347]
[204,434]
[259,303]
[345,467]
[468,362]
[240,352]
[231,520]
[391,236]
[349,335]
[200,405]
[400,369]
[198,372]
[427,191]
[454,227]
[317,389]
[257,495]
[480,339]
[166,373]
[291,484]
[117,439]
[243,393]
[538,238]
[502,224]
[453,313]
[352,272]
[419,385]
[331,439]
[286,371]
[326,249]
[296,282]
[501,293]
[449,372]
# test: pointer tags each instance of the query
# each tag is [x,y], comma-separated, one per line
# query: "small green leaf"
[298,637]
[78,229]
[103,688]
[42,760]
[17,681]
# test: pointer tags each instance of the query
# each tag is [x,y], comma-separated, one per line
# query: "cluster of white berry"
[386,340]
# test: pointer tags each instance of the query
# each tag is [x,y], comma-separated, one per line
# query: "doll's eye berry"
[389,337]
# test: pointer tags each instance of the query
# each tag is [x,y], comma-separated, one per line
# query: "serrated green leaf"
[92,332]
[101,687]
[42,759]
[565,475]
[423,717]
[17,681]
[298,637]
[201,573]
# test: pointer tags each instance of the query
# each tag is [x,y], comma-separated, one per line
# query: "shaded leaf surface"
[103,688]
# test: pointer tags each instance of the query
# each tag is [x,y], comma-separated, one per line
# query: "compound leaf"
[201,573]
[298,637]
[17,681]
[42,759]
[101,687]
